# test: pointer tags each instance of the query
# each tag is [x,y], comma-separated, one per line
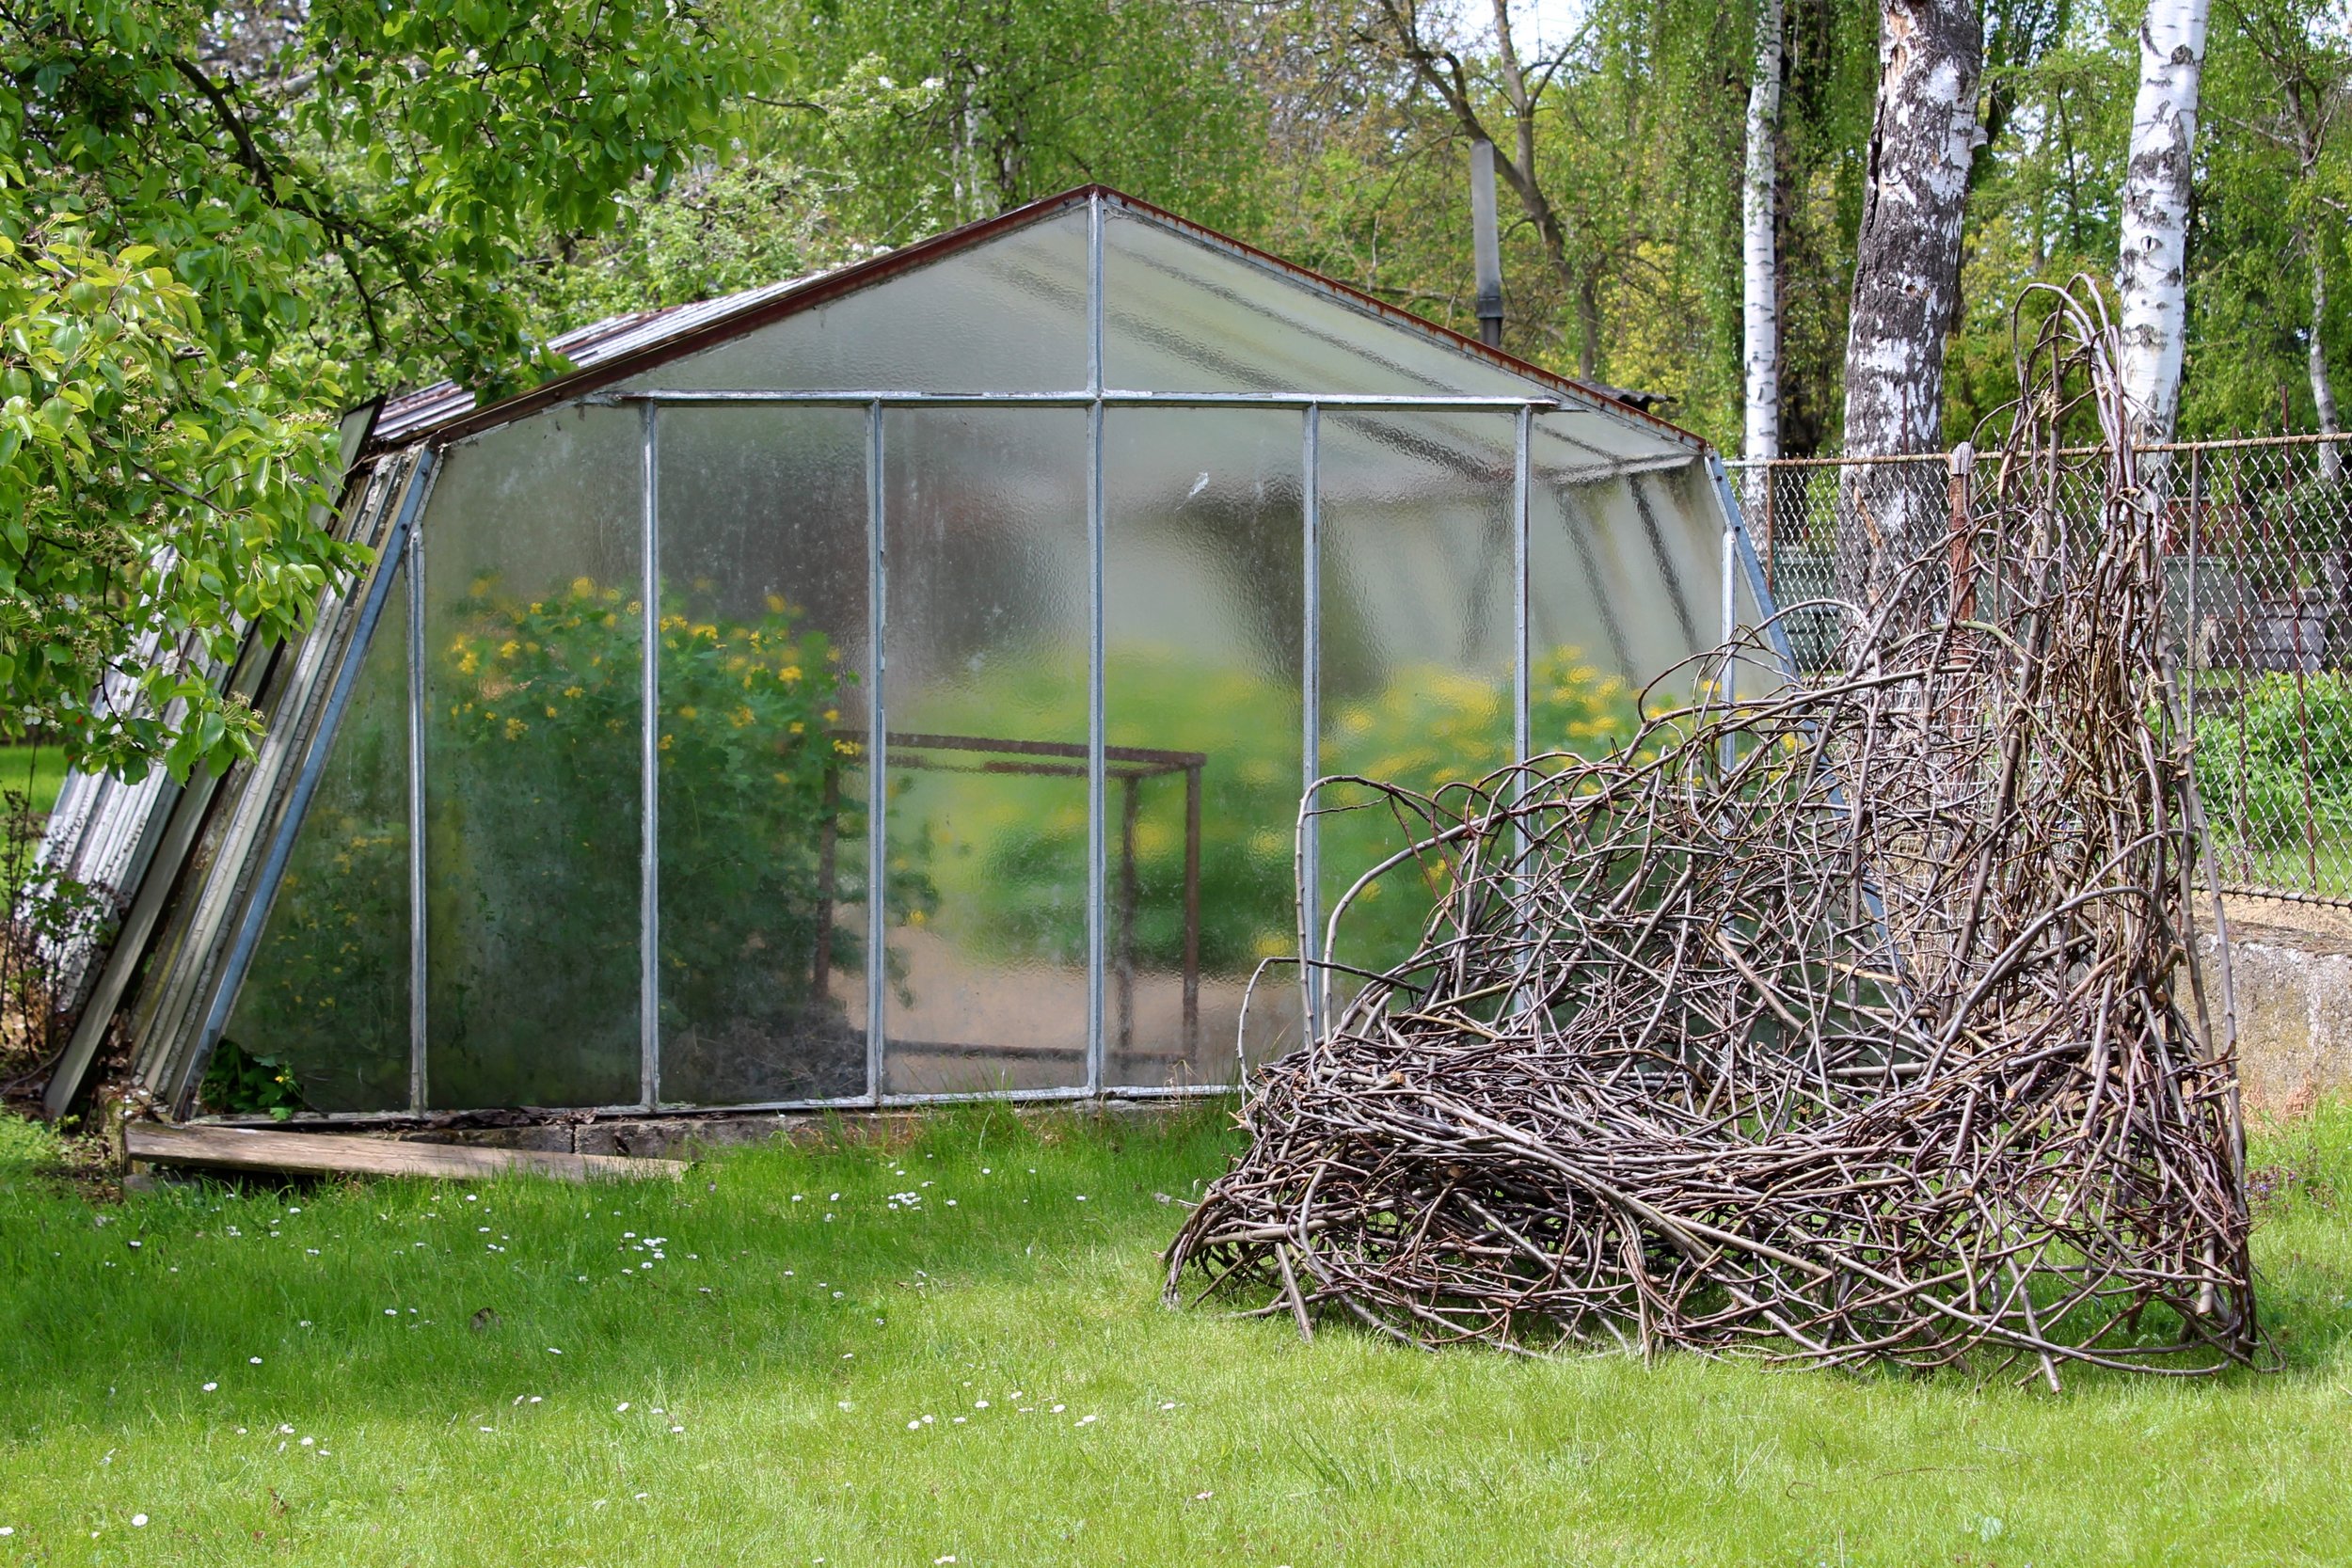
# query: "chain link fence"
[2259,603]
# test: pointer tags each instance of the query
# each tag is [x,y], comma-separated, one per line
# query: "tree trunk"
[1759,256]
[2151,272]
[1906,284]
[2322,386]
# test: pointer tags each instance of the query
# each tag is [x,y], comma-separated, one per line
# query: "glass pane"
[1202,597]
[1013,307]
[762,740]
[532,747]
[1418,575]
[1182,314]
[326,997]
[987,646]
[1623,583]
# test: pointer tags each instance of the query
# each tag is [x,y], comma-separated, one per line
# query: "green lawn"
[38,770]
[813,1370]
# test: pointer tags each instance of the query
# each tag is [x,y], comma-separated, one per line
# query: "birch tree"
[1759,250]
[2306,69]
[2151,271]
[1906,286]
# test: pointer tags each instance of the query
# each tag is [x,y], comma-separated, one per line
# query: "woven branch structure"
[1856,1019]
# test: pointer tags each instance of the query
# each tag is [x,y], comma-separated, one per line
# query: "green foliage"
[2280,760]
[215,224]
[44,916]
[987,103]
[238,1083]
[153,501]
[762,792]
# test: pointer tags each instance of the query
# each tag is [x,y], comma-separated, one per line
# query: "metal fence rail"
[2258,568]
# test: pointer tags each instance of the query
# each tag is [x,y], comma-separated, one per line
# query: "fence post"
[1959,467]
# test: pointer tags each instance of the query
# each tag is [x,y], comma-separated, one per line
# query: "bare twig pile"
[1854,1019]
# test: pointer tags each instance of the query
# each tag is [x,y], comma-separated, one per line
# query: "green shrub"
[2252,762]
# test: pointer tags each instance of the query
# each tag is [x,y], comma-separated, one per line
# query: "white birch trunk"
[2323,385]
[2151,272]
[1906,282]
[1759,256]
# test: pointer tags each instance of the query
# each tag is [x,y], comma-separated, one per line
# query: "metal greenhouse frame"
[201,895]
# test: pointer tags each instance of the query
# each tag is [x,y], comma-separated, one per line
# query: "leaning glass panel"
[1202,594]
[1013,307]
[1624,580]
[533,739]
[762,736]
[986,642]
[1417,587]
[321,1022]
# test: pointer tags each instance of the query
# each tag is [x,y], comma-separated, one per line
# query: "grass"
[38,770]
[814,1371]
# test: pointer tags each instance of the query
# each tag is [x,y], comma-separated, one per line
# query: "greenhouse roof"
[625,345]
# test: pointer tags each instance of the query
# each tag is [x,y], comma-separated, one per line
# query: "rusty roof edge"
[831,285]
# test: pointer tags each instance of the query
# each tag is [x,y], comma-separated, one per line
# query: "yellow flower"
[636,607]
[789,674]
[537,607]
[833,716]
[741,717]
[507,648]
[915,917]
[469,664]
[797,726]
[574,693]
[551,710]
[514,728]
[665,743]
[689,712]
[583,588]
[706,629]
[847,748]
[775,604]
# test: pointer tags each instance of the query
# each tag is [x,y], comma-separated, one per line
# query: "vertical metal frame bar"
[877,759]
[418,1019]
[1739,554]
[1310,718]
[1522,667]
[649,777]
[1097,836]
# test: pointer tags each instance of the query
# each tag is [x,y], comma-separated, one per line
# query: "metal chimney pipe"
[1485,247]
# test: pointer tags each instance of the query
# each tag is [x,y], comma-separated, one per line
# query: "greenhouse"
[890,686]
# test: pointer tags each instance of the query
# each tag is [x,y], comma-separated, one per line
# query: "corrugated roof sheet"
[412,413]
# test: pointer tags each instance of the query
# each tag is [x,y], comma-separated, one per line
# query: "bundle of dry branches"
[1846,1020]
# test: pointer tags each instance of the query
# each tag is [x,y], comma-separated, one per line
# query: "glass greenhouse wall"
[901,685]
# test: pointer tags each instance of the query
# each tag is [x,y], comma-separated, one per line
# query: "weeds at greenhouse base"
[1846,1021]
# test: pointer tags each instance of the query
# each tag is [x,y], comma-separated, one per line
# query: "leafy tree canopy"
[215,228]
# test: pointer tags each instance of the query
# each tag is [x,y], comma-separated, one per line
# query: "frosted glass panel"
[1623,581]
[326,997]
[762,734]
[533,748]
[1416,586]
[986,689]
[1204,592]
[1008,314]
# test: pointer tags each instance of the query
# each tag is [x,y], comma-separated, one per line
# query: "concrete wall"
[2294,991]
